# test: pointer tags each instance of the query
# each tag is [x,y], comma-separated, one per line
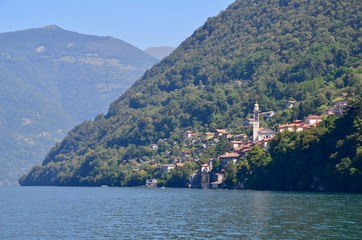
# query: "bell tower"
[256,121]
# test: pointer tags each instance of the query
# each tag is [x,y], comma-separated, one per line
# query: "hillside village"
[209,176]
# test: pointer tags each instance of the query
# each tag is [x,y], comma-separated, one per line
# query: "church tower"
[256,121]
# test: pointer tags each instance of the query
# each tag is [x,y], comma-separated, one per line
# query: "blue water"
[143,213]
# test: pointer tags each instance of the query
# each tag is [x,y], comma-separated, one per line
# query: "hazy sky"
[142,23]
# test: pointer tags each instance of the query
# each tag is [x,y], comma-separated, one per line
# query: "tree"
[253,171]
[230,175]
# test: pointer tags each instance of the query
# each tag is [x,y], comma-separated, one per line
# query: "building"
[299,125]
[290,104]
[240,137]
[189,134]
[255,121]
[228,157]
[209,135]
[295,126]
[328,111]
[313,119]
[265,134]
[237,144]
[260,133]
[339,107]
[151,182]
[168,167]
[223,133]
[186,155]
[207,166]
[218,180]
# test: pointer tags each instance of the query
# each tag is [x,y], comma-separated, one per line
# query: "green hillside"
[52,79]
[270,51]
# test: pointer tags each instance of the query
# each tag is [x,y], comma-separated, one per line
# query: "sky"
[142,23]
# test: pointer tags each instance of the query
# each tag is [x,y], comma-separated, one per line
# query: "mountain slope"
[268,51]
[52,79]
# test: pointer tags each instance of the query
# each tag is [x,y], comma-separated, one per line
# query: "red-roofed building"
[313,119]
[237,144]
[296,126]
[228,157]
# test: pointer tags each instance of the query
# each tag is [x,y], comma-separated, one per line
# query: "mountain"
[270,51]
[159,52]
[52,79]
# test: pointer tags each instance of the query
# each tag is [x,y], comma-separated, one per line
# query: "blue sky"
[142,23]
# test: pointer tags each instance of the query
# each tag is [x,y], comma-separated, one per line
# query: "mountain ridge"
[52,79]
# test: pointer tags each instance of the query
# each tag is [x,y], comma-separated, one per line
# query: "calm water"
[142,213]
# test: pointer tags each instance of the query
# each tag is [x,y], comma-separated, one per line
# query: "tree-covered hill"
[270,51]
[52,79]
[327,157]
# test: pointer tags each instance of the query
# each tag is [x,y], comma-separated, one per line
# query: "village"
[207,176]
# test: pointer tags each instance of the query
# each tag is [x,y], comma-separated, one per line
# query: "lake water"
[143,213]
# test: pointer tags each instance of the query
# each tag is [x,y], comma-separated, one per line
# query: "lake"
[146,213]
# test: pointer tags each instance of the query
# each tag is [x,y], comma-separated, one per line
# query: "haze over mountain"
[52,79]
[159,52]
[270,51]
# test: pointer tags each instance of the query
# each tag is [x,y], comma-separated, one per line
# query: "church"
[259,133]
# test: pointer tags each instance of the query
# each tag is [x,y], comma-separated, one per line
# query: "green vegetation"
[328,157]
[270,51]
[50,80]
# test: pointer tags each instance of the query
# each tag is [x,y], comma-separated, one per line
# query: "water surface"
[143,213]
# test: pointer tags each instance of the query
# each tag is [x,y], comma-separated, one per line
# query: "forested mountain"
[270,51]
[52,79]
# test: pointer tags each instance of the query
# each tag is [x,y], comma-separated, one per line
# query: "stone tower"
[256,121]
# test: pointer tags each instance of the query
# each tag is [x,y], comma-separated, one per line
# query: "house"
[204,167]
[237,144]
[223,133]
[227,135]
[228,157]
[209,135]
[313,119]
[295,126]
[168,167]
[290,104]
[151,182]
[339,107]
[328,111]
[240,137]
[189,134]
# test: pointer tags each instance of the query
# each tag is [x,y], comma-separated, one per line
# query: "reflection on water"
[142,213]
